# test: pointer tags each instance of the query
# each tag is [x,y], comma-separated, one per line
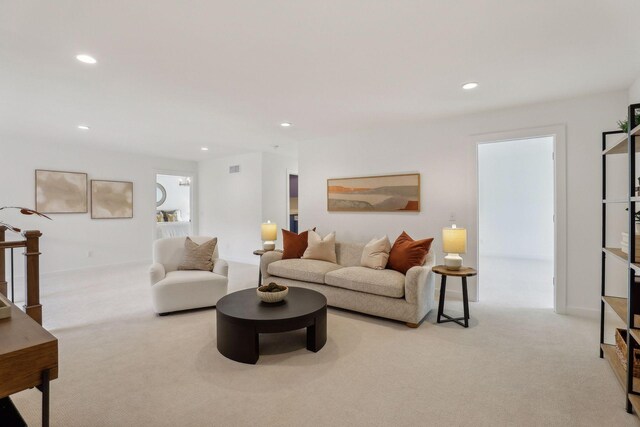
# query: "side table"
[261,252]
[463,273]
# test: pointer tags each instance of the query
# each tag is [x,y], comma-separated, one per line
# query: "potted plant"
[23,211]
[624,124]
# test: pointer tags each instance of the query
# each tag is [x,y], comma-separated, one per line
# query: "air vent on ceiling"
[234,169]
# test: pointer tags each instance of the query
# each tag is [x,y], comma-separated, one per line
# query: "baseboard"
[516,257]
[591,313]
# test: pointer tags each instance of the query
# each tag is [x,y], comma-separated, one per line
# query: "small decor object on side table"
[462,272]
[454,242]
[272,292]
[269,233]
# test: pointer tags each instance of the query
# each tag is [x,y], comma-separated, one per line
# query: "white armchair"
[175,290]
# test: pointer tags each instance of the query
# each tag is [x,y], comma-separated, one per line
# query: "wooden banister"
[13,244]
[32,304]
[31,243]
[3,275]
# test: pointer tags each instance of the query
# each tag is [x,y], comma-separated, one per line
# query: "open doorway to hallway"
[174,205]
[516,222]
[293,203]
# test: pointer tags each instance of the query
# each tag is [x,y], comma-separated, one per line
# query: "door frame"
[558,133]
[193,202]
[292,172]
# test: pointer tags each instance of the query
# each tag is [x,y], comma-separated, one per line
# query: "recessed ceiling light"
[87,59]
[205,148]
[470,85]
[83,127]
[285,124]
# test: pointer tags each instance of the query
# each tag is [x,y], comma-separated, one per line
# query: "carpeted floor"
[121,365]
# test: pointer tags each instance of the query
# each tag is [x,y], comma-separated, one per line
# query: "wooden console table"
[28,357]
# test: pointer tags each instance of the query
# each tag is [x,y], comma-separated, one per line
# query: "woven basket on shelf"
[621,351]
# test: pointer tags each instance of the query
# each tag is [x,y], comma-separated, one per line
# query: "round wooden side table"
[463,273]
[261,252]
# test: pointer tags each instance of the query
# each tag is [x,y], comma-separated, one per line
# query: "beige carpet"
[123,366]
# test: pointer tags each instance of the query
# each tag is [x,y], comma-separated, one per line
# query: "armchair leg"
[412,325]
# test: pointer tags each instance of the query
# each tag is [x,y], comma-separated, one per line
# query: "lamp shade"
[269,231]
[454,240]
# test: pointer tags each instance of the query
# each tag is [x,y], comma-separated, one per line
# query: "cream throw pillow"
[321,249]
[198,257]
[376,253]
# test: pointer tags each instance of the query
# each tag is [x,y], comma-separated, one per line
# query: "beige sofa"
[384,293]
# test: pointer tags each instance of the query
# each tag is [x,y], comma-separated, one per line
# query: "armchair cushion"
[198,256]
[191,276]
[169,251]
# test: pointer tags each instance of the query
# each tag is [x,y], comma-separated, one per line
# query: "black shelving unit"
[625,307]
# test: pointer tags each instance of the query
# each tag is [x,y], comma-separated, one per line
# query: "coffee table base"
[238,340]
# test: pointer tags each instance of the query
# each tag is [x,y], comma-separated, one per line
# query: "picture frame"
[379,193]
[61,192]
[111,199]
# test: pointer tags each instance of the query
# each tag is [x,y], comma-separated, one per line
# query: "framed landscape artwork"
[388,193]
[111,199]
[60,192]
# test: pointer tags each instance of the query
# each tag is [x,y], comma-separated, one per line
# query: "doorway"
[516,228]
[293,203]
[174,205]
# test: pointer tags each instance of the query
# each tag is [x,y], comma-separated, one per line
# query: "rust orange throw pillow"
[294,245]
[407,253]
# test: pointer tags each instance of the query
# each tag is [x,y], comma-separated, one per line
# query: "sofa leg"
[412,325]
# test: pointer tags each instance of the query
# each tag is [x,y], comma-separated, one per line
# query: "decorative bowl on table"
[272,292]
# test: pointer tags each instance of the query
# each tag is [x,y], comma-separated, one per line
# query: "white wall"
[75,241]
[178,196]
[634,92]
[515,201]
[275,197]
[232,206]
[444,153]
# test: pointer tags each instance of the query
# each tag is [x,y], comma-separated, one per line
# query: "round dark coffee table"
[241,316]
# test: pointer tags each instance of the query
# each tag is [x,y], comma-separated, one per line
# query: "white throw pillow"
[376,253]
[321,249]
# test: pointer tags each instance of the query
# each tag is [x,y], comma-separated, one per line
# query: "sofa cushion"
[323,249]
[293,244]
[306,270]
[376,253]
[407,253]
[388,283]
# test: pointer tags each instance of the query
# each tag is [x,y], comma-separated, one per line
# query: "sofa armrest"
[268,258]
[419,284]
[156,272]
[221,267]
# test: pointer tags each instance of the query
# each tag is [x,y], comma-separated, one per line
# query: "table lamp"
[269,235]
[454,242]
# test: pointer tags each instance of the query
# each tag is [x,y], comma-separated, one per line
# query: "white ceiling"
[176,75]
